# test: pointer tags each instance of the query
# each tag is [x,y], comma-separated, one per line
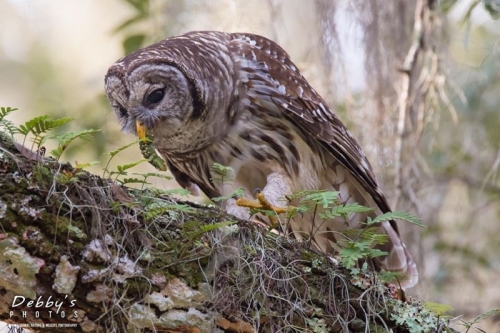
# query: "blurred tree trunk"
[116,259]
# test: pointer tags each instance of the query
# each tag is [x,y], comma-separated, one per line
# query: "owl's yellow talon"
[141,129]
[244,202]
[263,204]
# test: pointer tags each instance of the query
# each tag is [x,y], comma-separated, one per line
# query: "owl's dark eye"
[155,96]
[123,112]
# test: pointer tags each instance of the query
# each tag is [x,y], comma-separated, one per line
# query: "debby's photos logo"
[22,307]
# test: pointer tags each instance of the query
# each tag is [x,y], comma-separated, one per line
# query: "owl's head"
[150,92]
[174,88]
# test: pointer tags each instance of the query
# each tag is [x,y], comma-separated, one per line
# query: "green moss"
[6,141]
[9,186]
[42,175]
[63,227]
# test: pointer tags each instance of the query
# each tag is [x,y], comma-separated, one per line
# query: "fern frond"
[122,168]
[66,138]
[221,174]
[235,194]
[387,277]
[116,151]
[441,310]
[349,257]
[344,211]
[4,111]
[321,198]
[9,125]
[57,152]
[42,124]
[396,215]
[153,174]
[85,165]
[134,181]
[28,126]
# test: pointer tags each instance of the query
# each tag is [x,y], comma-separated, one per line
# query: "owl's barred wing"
[268,71]
[307,110]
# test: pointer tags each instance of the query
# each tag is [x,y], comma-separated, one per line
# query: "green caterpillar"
[149,152]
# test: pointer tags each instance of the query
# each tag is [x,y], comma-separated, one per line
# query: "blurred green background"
[54,55]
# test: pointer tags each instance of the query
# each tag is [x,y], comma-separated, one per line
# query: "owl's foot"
[262,204]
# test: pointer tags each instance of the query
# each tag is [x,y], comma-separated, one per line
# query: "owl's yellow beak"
[141,130]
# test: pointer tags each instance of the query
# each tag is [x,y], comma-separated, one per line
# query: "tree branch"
[95,256]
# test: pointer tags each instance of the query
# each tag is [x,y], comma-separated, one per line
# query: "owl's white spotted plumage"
[238,100]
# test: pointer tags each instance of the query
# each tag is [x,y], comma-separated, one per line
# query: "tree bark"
[96,256]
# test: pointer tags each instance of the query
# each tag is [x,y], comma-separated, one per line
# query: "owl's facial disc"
[150,97]
[160,98]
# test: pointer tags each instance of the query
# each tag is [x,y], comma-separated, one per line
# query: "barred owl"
[238,100]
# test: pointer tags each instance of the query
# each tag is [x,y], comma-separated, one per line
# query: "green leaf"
[66,138]
[130,165]
[374,253]
[7,124]
[296,210]
[235,194]
[350,256]
[441,310]
[85,165]
[57,152]
[4,111]
[153,174]
[345,211]
[224,173]
[132,43]
[29,126]
[116,151]
[262,211]
[140,5]
[41,124]
[133,181]
[396,215]
[387,277]
[322,198]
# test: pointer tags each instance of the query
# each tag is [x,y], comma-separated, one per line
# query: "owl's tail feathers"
[399,258]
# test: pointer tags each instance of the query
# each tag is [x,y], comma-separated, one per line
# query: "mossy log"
[96,256]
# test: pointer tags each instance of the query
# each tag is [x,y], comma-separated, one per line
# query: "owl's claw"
[262,204]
